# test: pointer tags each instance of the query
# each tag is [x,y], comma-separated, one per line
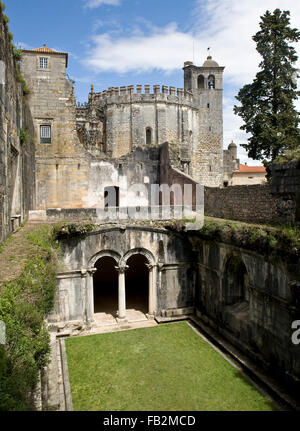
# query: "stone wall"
[252,204]
[193,124]
[62,166]
[285,186]
[251,302]
[277,202]
[169,174]
[17,160]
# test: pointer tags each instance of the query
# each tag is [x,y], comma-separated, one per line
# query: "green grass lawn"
[166,367]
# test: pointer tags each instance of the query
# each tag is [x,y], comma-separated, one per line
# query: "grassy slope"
[167,367]
[28,265]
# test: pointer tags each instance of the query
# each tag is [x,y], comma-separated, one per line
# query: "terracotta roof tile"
[45,49]
[250,169]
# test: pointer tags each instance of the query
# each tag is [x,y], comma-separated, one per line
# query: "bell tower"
[206,84]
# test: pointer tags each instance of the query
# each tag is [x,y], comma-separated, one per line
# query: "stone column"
[122,292]
[89,305]
[152,289]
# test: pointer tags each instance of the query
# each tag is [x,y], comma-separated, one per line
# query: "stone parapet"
[130,94]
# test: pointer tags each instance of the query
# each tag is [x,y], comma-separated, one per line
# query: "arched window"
[200,81]
[211,81]
[148,136]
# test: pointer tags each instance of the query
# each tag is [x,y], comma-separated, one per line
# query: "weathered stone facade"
[251,204]
[61,165]
[114,139]
[230,163]
[251,302]
[17,151]
[285,187]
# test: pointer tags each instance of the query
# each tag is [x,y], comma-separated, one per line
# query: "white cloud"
[227,26]
[92,4]
[165,49]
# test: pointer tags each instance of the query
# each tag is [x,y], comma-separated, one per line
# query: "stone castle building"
[115,139]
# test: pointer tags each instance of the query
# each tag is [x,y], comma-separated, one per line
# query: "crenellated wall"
[139,93]
[167,114]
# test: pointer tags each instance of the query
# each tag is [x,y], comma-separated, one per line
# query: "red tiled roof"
[250,169]
[44,49]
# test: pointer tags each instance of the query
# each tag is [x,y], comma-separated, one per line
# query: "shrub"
[17,53]
[24,136]
[5,19]
[24,304]
[282,243]
[72,230]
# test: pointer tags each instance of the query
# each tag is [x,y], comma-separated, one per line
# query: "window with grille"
[44,64]
[45,134]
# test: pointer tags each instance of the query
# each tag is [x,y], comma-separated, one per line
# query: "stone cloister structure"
[170,273]
[245,298]
[121,268]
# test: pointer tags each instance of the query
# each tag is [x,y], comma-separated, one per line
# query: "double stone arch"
[122,260]
[121,266]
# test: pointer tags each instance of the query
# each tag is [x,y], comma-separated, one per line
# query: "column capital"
[83,272]
[150,266]
[160,266]
[91,271]
[122,268]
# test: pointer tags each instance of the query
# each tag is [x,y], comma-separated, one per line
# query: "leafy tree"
[267,105]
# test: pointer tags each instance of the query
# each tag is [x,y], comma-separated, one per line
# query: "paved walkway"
[106,322]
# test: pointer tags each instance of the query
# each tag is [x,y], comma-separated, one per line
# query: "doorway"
[106,286]
[137,284]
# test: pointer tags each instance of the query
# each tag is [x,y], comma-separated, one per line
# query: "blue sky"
[127,42]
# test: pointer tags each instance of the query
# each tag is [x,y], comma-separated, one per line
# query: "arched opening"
[200,81]
[236,298]
[106,286]
[148,136]
[211,81]
[235,281]
[137,283]
[111,196]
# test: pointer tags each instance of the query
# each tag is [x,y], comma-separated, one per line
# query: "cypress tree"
[267,105]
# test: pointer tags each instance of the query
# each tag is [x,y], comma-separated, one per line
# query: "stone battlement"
[134,94]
